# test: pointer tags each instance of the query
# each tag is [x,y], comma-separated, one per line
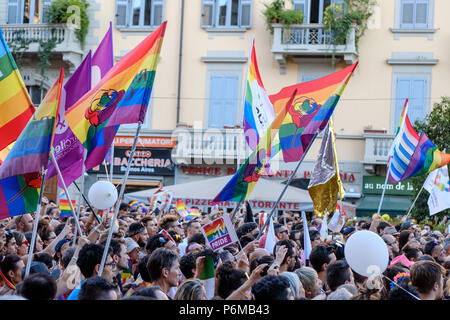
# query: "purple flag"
[69,151]
[103,58]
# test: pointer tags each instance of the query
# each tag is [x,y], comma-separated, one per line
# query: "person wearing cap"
[348,231]
[391,231]
[60,249]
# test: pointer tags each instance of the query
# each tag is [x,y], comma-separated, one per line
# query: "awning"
[201,192]
[392,205]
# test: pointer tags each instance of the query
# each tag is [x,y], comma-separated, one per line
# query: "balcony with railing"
[377,148]
[208,146]
[310,40]
[31,35]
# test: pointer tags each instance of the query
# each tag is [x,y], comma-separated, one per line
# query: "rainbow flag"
[312,107]
[64,206]
[181,208]
[20,173]
[134,204]
[192,213]
[121,97]
[426,158]
[16,107]
[258,110]
[244,180]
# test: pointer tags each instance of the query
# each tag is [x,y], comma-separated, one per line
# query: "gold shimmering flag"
[323,186]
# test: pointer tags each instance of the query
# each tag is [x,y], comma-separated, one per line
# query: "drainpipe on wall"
[180,61]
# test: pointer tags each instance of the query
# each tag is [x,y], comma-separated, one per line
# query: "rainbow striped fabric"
[121,97]
[16,107]
[192,213]
[134,204]
[426,158]
[20,176]
[413,155]
[310,111]
[64,206]
[258,110]
[244,180]
[402,149]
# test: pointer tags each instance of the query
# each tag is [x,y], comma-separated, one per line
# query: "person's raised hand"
[256,274]
[280,254]
[243,263]
[274,269]
[199,265]
[251,246]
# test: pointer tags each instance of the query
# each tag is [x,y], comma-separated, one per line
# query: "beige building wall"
[365,104]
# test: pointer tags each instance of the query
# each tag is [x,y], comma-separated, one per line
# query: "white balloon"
[102,195]
[366,252]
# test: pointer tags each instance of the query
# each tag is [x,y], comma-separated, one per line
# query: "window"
[36,94]
[414,14]
[223,100]
[139,13]
[226,13]
[28,11]
[416,90]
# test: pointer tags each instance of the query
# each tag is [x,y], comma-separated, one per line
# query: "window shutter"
[421,15]
[216,101]
[407,14]
[403,92]
[13,12]
[207,13]
[417,106]
[230,99]
[158,11]
[122,13]
[45,5]
[246,9]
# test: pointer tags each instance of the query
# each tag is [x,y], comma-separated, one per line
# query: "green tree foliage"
[436,126]
[59,13]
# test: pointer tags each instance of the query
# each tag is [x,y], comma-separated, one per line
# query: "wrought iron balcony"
[30,36]
[208,146]
[310,40]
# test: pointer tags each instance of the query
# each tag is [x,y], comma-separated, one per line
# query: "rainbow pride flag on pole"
[312,107]
[258,110]
[16,107]
[244,180]
[121,97]
[192,213]
[20,173]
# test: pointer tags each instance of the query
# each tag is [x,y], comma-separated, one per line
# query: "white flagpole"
[35,226]
[111,164]
[414,202]
[80,197]
[391,152]
[55,163]
[116,208]
[287,185]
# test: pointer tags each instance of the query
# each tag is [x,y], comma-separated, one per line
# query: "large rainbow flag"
[310,111]
[122,96]
[244,180]
[16,107]
[426,158]
[20,173]
[258,110]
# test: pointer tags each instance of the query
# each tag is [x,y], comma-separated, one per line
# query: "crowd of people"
[144,263]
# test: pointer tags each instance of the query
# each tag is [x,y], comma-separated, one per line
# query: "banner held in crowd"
[220,233]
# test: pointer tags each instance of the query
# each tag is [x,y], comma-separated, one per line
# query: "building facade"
[199,85]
